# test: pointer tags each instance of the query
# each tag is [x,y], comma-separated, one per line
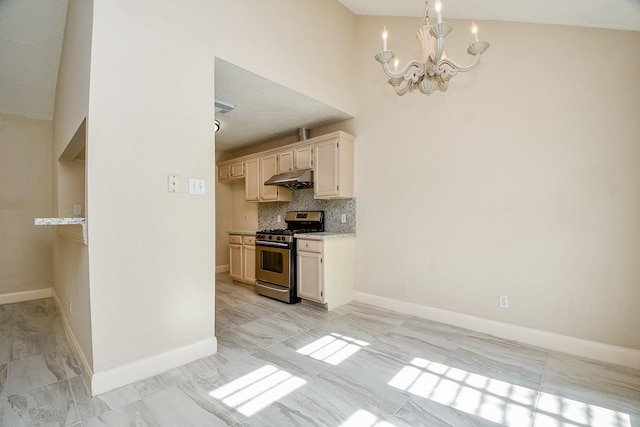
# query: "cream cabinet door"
[268,168]
[249,258]
[285,161]
[237,170]
[235,262]
[303,157]
[326,169]
[252,184]
[310,280]
[224,172]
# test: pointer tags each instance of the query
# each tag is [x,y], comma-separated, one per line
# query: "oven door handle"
[264,285]
[276,244]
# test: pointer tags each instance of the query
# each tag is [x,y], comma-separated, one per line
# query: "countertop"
[243,232]
[59,221]
[323,236]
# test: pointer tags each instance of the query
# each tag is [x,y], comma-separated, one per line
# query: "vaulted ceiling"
[31,33]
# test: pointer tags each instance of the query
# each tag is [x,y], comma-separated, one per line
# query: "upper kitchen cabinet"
[333,164]
[331,157]
[303,157]
[252,181]
[230,170]
[257,171]
[285,161]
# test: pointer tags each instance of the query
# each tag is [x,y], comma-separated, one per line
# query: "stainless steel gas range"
[276,255]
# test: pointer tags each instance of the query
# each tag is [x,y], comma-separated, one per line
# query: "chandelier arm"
[400,89]
[457,68]
[439,49]
[403,73]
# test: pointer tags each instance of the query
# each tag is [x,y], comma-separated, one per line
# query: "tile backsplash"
[302,200]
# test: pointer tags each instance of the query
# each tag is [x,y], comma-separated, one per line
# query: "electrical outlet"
[279,218]
[343,218]
[504,301]
[77,210]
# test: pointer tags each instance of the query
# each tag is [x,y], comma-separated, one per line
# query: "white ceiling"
[264,109]
[31,33]
[614,14]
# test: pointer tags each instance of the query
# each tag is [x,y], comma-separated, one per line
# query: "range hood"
[296,179]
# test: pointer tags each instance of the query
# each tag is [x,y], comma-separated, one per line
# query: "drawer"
[249,240]
[310,245]
[235,238]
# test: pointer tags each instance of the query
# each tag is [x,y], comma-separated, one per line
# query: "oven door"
[273,263]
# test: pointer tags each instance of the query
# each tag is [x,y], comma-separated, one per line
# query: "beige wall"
[25,193]
[305,45]
[521,180]
[71,268]
[150,115]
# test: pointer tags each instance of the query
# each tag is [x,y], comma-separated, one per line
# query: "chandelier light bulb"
[474,31]
[438,8]
[384,38]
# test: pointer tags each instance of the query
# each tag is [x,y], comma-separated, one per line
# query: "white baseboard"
[222,268]
[103,382]
[562,343]
[85,367]
[25,296]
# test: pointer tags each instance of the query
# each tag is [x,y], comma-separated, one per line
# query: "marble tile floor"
[296,365]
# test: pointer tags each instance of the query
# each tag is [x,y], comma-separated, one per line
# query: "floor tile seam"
[409,397]
[348,391]
[75,402]
[539,394]
[237,416]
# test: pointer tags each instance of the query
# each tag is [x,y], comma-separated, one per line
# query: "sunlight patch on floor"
[333,349]
[499,401]
[362,418]
[258,389]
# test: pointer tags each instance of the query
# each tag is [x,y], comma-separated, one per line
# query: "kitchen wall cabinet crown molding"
[330,156]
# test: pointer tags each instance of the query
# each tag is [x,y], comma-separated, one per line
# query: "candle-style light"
[384,38]
[474,31]
[438,8]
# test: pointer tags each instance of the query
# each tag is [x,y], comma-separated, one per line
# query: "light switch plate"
[196,186]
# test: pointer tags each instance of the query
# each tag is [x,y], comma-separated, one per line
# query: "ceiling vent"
[223,107]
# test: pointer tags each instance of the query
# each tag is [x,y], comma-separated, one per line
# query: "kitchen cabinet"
[230,170]
[242,255]
[325,270]
[256,171]
[303,157]
[249,259]
[330,156]
[252,183]
[333,163]
[235,257]
[310,278]
[285,161]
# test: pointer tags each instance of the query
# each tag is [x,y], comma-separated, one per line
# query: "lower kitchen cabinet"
[326,270]
[242,255]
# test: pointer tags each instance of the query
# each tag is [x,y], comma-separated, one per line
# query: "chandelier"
[435,70]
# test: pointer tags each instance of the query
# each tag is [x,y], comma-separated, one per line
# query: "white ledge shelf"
[60,221]
[69,232]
